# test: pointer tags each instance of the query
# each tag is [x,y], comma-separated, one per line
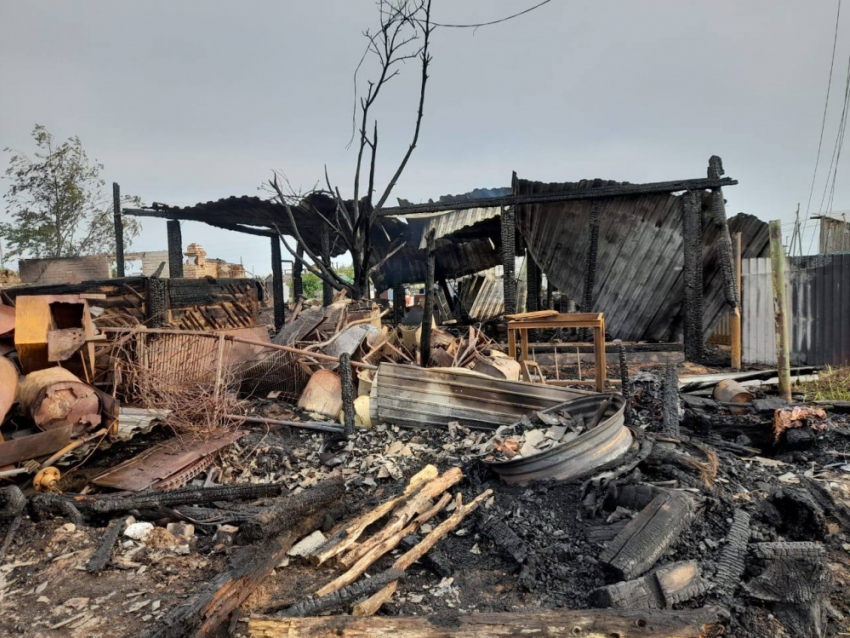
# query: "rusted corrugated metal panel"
[818,293]
[410,396]
[638,282]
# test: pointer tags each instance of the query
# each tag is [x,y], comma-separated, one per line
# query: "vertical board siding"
[819,307]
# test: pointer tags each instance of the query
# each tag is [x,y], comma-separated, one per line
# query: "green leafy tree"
[57,204]
[313,283]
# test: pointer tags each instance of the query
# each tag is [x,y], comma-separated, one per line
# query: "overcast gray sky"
[187,101]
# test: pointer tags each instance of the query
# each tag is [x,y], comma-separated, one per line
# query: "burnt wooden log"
[664,587]
[795,582]
[623,623]
[436,561]
[152,499]
[670,400]
[12,502]
[201,614]
[802,517]
[718,217]
[297,274]
[839,512]
[692,275]
[648,535]
[625,384]
[344,596]
[289,508]
[101,555]
[8,539]
[505,538]
[732,561]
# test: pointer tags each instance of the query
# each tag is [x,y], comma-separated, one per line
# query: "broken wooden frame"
[595,320]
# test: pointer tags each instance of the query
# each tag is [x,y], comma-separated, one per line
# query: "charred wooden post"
[157,301]
[428,310]
[777,266]
[730,566]
[590,262]
[507,222]
[175,248]
[348,393]
[119,229]
[718,217]
[533,283]
[344,596]
[11,532]
[327,290]
[277,284]
[692,240]
[398,303]
[297,271]
[625,386]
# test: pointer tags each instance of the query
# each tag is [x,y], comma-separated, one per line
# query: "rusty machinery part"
[47,480]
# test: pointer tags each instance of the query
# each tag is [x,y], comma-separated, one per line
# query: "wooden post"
[327,289]
[735,323]
[447,293]
[533,283]
[590,262]
[428,310]
[277,284]
[297,270]
[508,231]
[175,248]
[777,265]
[599,348]
[398,303]
[692,275]
[119,229]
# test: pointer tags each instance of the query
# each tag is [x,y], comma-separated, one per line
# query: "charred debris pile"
[319,481]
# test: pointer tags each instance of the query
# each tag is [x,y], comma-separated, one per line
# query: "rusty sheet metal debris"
[303,325]
[33,446]
[63,344]
[36,316]
[55,398]
[8,386]
[348,340]
[166,464]
[411,396]
[606,442]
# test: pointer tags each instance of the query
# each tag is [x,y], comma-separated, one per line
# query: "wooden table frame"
[594,320]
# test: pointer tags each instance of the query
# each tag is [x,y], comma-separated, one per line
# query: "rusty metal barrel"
[730,391]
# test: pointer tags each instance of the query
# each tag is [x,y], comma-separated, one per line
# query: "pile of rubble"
[320,480]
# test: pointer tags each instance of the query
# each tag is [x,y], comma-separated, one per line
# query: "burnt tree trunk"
[297,273]
[119,229]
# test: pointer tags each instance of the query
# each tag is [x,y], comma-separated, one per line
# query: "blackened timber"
[327,290]
[175,248]
[398,302]
[297,271]
[718,216]
[119,229]
[648,535]
[590,262]
[347,393]
[670,400]
[100,557]
[508,231]
[692,242]
[533,283]
[277,284]
[615,190]
[428,310]
[625,384]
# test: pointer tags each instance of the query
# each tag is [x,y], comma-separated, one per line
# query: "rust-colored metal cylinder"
[8,386]
[730,391]
[323,394]
[55,398]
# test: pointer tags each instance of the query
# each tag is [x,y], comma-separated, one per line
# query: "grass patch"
[833,384]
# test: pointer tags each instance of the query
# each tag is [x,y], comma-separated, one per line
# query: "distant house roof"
[839,215]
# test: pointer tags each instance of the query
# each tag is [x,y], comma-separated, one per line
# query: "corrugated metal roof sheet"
[451,224]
